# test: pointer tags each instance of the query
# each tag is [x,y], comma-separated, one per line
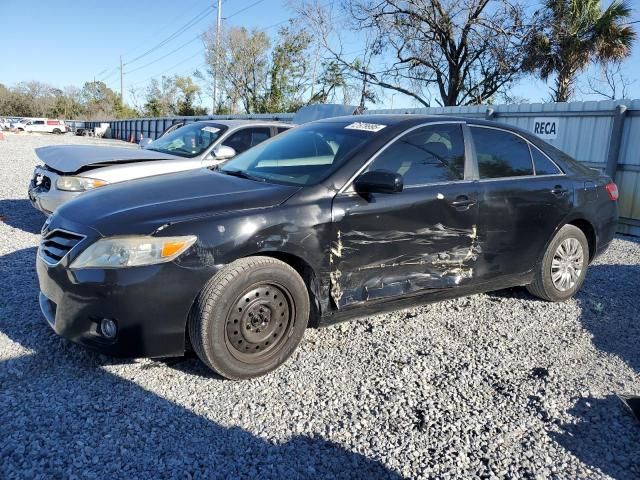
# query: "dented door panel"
[393,244]
[517,218]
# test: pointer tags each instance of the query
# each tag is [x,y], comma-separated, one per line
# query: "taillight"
[612,190]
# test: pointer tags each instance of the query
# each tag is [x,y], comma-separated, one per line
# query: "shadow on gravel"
[61,415]
[19,213]
[609,304]
[605,437]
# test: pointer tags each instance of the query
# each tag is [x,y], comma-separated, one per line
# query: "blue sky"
[67,43]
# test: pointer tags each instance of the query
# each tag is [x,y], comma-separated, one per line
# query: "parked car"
[337,218]
[21,123]
[70,170]
[43,125]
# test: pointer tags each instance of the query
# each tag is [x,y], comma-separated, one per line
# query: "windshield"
[188,141]
[302,156]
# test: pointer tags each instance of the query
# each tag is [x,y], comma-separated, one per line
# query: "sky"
[68,43]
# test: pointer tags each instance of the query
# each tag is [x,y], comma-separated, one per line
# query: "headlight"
[118,252]
[78,184]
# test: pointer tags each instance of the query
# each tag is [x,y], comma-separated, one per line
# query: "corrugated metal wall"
[588,131]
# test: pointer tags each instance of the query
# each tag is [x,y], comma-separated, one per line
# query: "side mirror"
[379,181]
[144,142]
[223,152]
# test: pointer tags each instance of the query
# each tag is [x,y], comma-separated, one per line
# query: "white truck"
[44,125]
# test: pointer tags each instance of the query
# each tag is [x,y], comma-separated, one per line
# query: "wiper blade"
[240,174]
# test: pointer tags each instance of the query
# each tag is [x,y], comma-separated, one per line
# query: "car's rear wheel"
[57,131]
[250,317]
[564,265]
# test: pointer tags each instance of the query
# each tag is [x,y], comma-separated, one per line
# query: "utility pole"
[215,56]
[121,82]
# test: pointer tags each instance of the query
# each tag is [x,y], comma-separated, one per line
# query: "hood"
[142,206]
[72,158]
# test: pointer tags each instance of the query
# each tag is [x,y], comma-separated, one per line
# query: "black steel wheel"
[250,317]
[259,322]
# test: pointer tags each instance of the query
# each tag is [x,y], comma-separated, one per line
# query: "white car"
[70,170]
[43,125]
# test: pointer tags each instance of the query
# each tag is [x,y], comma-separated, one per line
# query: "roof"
[240,123]
[392,119]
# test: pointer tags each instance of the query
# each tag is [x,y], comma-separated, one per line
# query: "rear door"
[518,210]
[420,239]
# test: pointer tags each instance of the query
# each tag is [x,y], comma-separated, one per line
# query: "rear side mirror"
[223,152]
[379,181]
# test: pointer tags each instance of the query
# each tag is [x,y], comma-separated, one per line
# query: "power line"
[182,62]
[200,16]
[158,32]
[164,56]
[243,9]
[194,20]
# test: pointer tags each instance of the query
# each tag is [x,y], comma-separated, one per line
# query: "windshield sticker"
[369,127]
[210,129]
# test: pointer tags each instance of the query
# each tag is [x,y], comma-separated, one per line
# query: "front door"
[422,238]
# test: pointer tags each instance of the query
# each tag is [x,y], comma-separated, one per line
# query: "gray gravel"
[496,385]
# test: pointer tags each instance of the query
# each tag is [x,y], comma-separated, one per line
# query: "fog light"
[108,328]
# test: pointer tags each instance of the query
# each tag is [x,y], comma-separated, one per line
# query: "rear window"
[542,164]
[501,154]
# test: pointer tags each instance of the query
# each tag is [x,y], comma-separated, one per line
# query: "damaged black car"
[338,218]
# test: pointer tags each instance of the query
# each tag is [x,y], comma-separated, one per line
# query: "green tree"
[288,72]
[575,34]
[100,101]
[188,93]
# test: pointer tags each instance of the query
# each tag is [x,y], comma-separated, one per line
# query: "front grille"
[56,244]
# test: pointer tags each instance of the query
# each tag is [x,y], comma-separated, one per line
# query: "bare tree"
[466,51]
[611,84]
[243,61]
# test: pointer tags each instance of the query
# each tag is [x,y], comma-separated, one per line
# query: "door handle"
[559,191]
[462,202]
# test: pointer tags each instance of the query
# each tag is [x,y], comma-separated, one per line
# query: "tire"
[568,256]
[57,131]
[235,324]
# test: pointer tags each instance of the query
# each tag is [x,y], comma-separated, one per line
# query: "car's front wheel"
[561,272]
[250,317]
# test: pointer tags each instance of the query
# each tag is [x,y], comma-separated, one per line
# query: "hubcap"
[567,264]
[259,322]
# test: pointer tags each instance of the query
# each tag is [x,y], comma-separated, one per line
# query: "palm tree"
[574,34]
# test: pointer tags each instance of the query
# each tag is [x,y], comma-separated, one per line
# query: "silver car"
[70,170]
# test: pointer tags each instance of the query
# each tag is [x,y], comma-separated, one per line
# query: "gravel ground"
[495,385]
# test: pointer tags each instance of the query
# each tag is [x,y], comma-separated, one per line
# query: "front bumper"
[43,193]
[150,305]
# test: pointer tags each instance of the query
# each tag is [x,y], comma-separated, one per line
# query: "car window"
[542,164]
[246,138]
[282,129]
[304,156]
[429,154]
[188,141]
[501,154]
[39,122]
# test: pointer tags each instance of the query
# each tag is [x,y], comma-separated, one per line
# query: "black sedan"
[334,219]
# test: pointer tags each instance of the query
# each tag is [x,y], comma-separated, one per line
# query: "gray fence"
[603,135]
